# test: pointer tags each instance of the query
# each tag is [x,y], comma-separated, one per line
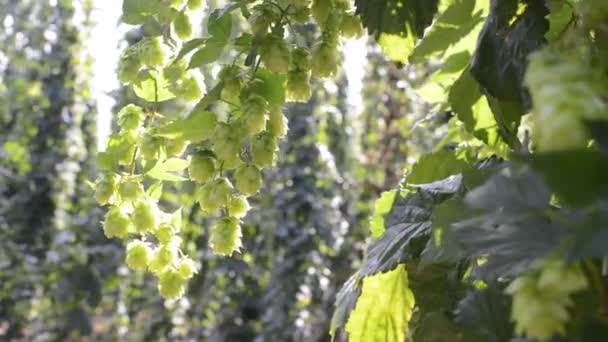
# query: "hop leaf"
[248,180]
[225,237]
[238,206]
[145,216]
[171,285]
[190,89]
[541,298]
[138,255]
[116,224]
[202,169]
[152,52]
[182,26]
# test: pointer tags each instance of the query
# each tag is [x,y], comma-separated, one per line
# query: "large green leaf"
[435,166]
[383,309]
[198,126]
[346,299]
[210,52]
[453,24]
[409,219]
[488,313]
[154,88]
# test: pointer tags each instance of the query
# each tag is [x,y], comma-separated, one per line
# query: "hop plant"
[171,285]
[320,11]
[138,255]
[301,59]
[105,189]
[248,180]
[116,224]
[263,150]
[202,169]
[225,237]
[227,141]
[145,216]
[275,54]
[130,117]
[542,297]
[128,68]
[238,206]
[175,71]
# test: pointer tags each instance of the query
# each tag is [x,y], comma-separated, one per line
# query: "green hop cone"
[151,147]
[116,224]
[298,86]
[232,80]
[175,71]
[145,216]
[275,54]
[105,189]
[215,195]
[261,18]
[152,52]
[320,11]
[138,255]
[171,285]
[324,60]
[130,117]
[301,59]
[202,169]
[225,237]
[263,150]
[130,189]
[248,180]
[182,26]
[187,268]
[238,206]
[542,297]
[190,89]
[164,257]
[176,147]
[164,234]
[256,114]
[351,27]
[277,123]
[301,14]
[231,163]
[227,141]
[128,69]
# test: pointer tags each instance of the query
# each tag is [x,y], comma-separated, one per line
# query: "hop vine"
[230,135]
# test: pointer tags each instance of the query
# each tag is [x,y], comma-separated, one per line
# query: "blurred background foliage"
[61,279]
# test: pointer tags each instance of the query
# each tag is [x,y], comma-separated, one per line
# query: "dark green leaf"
[220,23]
[399,17]
[435,166]
[346,299]
[452,25]
[488,313]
